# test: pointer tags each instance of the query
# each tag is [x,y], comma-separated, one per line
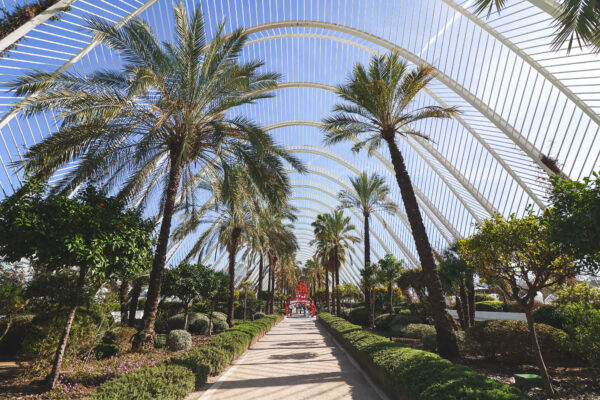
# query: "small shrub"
[219,325]
[583,326]
[358,316]
[106,350]
[417,331]
[199,326]
[430,342]
[178,340]
[161,341]
[219,315]
[162,381]
[404,319]
[490,305]
[549,315]
[177,321]
[483,297]
[120,337]
[384,321]
[259,315]
[510,341]
[201,307]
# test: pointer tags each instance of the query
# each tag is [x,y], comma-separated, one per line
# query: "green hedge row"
[180,375]
[407,373]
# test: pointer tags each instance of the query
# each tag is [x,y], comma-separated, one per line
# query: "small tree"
[519,252]
[211,283]
[184,282]
[573,219]
[245,285]
[369,280]
[458,279]
[90,234]
[388,272]
[12,296]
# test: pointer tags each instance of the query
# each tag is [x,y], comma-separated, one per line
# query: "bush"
[219,315]
[384,321]
[490,305]
[106,350]
[414,373]
[549,315]
[177,321]
[483,297]
[161,341]
[416,331]
[583,326]
[259,315]
[201,307]
[179,340]
[121,337]
[510,341]
[161,381]
[199,326]
[358,316]
[11,343]
[219,325]
[403,319]
[430,342]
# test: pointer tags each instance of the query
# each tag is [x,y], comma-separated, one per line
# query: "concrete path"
[296,360]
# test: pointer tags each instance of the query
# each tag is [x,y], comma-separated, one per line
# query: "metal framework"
[522,102]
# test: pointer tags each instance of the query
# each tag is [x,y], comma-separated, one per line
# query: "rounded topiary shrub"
[259,315]
[219,325]
[178,340]
[430,342]
[490,305]
[358,316]
[417,331]
[219,315]
[549,315]
[383,321]
[199,326]
[404,319]
[177,321]
[510,341]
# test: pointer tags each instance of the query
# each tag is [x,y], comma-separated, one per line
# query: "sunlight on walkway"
[296,360]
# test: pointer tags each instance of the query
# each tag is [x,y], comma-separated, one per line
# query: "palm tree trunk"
[123,300]
[235,236]
[134,296]
[327,290]
[370,314]
[62,344]
[146,337]
[337,282]
[538,354]
[260,277]
[437,305]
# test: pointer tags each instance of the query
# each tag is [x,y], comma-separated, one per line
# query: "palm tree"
[379,107]
[388,271]
[369,194]
[153,124]
[333,235]
[578,21]
[236,205]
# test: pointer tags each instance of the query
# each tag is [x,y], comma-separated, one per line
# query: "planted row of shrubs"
[407,373]
[180,375]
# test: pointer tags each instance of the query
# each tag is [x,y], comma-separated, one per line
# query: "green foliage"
[510,341]
[583,326]
[106,350]
[490,305]
[162,381]
[199,325]
[383,321]
[219,315]
[259,315]
[358,315]
[573,219]
[161,341]
[178,340]
[483,297]
[405,319]
[219,325]
[11,344]
[549,315]
[416,331]
[430,341]
[414,373]
[185,282]
[177,321]
[580,293]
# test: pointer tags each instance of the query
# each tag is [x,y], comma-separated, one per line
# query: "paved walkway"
[296,360]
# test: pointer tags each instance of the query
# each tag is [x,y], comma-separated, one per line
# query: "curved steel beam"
[527,147]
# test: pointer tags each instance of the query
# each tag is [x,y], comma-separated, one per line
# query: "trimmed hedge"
[179,375]
[161,381]
[490,305]
[408,373]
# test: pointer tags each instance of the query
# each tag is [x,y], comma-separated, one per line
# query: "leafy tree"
[578,21]
[368,281]
[184,282]
[159,122]
[458,279]
[519,251]
[379,107]
[574,219]
[413,279]
[211,285]
[90,234]
[388,272]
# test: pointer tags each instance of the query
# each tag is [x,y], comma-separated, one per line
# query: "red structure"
[300,305]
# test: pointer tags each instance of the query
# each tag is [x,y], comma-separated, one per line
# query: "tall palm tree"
[578,21]
[379,107]
[333,234]
[152,124]
[234,211]
[369,194]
